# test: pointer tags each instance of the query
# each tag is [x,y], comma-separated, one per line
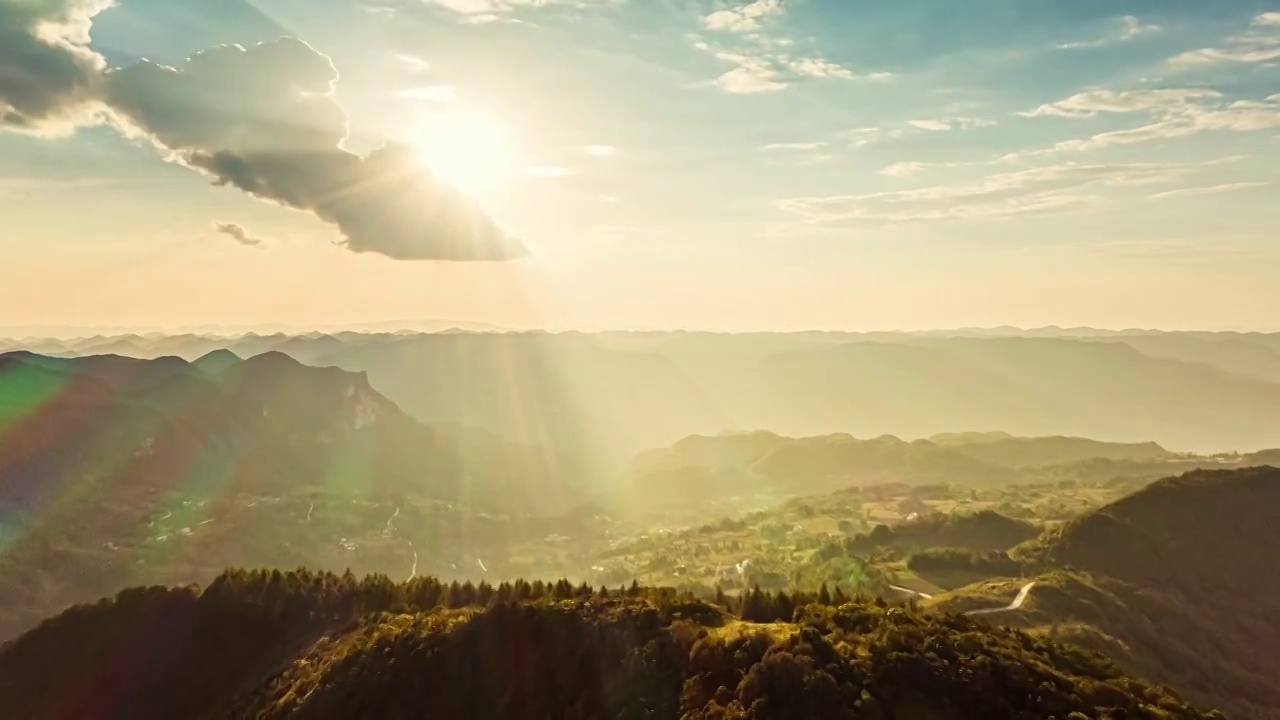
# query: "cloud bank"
[263,120]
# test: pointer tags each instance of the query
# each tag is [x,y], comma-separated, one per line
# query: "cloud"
[1260,44]
[905,168]
[859,137]
[50,81]
[910,167]
[816,67]
[1094,102]
[794,146]
[487,11]
[1177,113]
[743,18]
[600,150]
[951,123]
[1208,190]
[413,63]
[930,125]
[749,78]
[263,120]
[1134,28]
[1034,191]
[238,233]
[1131,28]
[765,61]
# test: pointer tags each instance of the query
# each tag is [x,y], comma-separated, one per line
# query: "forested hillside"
[303,645]
[1176,582]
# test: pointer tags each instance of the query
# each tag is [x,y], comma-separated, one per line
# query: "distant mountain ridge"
[595,399]
[711,467]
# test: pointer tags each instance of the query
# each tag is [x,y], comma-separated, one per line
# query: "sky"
[785,165]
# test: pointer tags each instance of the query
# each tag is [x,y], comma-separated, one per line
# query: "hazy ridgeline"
[600,398]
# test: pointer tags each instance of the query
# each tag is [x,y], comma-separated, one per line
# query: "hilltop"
[305,645]
[1197,534]
[1176,582]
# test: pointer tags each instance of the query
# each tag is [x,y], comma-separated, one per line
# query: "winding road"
[1016,604]
[909,591]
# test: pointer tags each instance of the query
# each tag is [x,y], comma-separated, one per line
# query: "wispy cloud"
[952,123]
[750,77]
[1261,43]
[1131,27]
[1034,191]
[743,18]
[1095,102]
[907,168]
[861,137]
[413,63]
[763,69]
[1176,113]
[794,146]
[600,151]
[487,11]
[766,61]
[1209,190]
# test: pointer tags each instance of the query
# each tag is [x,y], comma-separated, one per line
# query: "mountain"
[215,361]
[594,400]
[1176,582]
[734,464]
[115,471]
[1003,449]
[276,421]
[308,645]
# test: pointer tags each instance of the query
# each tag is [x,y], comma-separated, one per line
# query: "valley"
[122,472]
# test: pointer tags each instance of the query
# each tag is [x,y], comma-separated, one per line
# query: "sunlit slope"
[1176,582]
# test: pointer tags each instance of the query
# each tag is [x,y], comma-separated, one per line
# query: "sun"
[465,149]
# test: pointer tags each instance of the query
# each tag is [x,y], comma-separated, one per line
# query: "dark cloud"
[263,120]
[237,232]
[49,78]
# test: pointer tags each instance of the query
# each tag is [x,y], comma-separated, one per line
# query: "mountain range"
[594,400]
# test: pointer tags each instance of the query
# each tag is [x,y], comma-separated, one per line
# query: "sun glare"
[466,149]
